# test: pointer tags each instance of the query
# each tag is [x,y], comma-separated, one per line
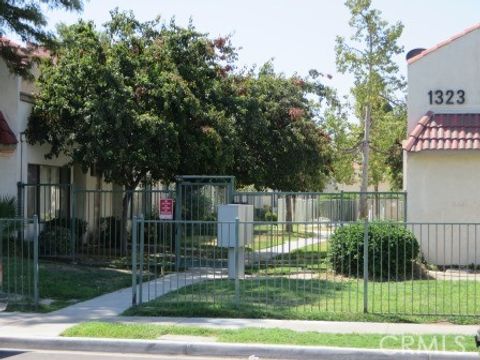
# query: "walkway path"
[286,247]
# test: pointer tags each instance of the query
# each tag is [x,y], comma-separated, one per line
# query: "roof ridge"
[444,43]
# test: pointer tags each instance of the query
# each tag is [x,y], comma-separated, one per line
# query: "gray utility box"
[227,235]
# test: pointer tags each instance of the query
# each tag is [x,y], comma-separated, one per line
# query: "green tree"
[369,58]
[344,142]
[26,19]
[136,99]
[280,145]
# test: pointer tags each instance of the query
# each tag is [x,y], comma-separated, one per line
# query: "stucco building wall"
[443,185]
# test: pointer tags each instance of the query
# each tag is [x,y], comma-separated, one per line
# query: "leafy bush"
[8,228]
[259,214]
[55,241]
[198,206]
[109,233]
[392,250]
[271,216]
[80,225]
[7,207]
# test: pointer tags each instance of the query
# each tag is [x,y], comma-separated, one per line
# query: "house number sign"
[447,97]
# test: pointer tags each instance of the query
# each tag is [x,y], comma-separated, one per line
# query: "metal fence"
[88,225]
[267,269]
[313,206]
[19,272]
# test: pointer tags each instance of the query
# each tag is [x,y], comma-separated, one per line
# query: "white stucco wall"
[443,188]
[455,66]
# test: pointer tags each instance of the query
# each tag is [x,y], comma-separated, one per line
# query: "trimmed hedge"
[392,250]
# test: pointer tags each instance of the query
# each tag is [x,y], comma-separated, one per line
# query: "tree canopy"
[369,57]
[144,98]
[134,99]
[26,19]
[280,145]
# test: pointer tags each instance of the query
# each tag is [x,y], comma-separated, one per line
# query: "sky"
[298,34]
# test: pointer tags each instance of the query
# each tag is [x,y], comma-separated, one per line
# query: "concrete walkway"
[285,248]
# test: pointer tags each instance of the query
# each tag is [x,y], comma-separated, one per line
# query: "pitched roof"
[7,137]
[445,132]
[444,43]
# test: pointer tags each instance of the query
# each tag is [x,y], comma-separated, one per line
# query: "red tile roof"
[445,132]
[28,50]
[443,43]
[7,137]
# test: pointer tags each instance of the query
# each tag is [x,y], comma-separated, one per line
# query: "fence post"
[73,231]
[134,261]
[36,230]
[237,259]
[365,266]
[178,225]
[142,253]
[341,208]
[405,206]
[20,199]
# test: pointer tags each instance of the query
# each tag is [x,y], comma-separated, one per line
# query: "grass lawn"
[273,336]
[321,299]
[66,284]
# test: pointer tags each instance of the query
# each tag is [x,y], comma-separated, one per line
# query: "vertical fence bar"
[237,259]
[365,266]
[142,254]
[73,221]
[178,226]
[341,208]
[36,295]
[134,261]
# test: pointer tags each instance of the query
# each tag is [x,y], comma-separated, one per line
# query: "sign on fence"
[166,209]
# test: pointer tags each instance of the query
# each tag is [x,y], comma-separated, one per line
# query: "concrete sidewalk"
[53,325]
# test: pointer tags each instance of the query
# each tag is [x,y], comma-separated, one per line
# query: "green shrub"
[198,206]
[7,207]
[270,216]
[10,244]
[55,241]
[109,233]
[392,250]
[259,214]
[80,225]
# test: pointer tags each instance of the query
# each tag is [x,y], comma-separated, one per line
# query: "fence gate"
[197,199]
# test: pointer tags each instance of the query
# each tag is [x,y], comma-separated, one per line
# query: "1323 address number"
[448,97]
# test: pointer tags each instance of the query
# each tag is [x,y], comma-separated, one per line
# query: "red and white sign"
[166,209]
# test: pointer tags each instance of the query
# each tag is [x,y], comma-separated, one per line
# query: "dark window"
[48,191]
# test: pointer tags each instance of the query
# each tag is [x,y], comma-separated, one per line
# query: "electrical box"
[226,225]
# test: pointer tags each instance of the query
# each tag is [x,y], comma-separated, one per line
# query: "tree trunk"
[365,155]
[289,214]
[124,224]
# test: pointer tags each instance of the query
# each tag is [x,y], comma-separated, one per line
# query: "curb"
[218,349]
